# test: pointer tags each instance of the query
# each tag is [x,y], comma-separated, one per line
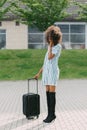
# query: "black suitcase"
[31,103]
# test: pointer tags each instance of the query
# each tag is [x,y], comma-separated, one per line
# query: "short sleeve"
[56,49]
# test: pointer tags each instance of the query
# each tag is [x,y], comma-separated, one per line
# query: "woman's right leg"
[48,102]
[47,88]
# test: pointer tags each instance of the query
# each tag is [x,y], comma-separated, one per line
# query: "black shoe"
[49,119]
[52,102]
[46,119]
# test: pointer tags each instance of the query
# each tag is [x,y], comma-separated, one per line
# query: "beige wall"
[16,36]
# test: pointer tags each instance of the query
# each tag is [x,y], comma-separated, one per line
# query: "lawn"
[23,64]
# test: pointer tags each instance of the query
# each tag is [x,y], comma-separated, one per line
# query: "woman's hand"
[50,55]
[37,76]
[51,44]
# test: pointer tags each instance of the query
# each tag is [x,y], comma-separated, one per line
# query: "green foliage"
[40,13]
[4,8]
[82,12]
[23,64]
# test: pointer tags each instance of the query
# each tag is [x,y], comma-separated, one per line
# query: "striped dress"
[50,73]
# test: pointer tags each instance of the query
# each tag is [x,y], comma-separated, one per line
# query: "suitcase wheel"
[37,116]
[29,117]
[32,117]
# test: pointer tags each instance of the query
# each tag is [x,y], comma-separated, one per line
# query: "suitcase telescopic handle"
[36,83]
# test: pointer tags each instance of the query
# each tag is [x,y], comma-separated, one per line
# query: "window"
[2,38]
[77,28]
[78,38]
[64,28]
[35,38]
[77,34]
[73,34]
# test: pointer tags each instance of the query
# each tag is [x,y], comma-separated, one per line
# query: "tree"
[4,8]
[82,12]
[41,13]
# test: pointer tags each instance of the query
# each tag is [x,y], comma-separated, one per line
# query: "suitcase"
[31,103]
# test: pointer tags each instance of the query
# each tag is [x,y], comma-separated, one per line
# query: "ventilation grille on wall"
[0,23]
[17,23]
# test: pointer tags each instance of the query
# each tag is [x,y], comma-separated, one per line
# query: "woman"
[50,70]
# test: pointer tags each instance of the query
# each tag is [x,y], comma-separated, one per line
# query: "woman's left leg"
[52,103]
[52,88]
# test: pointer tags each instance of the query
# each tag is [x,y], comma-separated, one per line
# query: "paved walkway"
[71,106]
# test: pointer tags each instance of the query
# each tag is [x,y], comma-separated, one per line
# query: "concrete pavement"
[71,106]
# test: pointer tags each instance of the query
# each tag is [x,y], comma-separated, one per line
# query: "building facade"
[13,35]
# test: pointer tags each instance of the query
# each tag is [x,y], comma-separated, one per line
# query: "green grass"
[73,64]
[23,64]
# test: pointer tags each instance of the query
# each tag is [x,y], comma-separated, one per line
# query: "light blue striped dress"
[50,73]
